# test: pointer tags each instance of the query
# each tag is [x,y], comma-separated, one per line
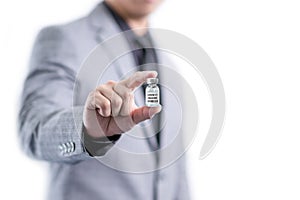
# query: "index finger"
[137,79]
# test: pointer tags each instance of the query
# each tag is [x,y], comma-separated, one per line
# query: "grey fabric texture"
[47,128]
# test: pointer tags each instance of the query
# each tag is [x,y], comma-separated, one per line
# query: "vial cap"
[152,80]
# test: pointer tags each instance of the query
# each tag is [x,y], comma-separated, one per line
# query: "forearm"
[52,135]
[50,127]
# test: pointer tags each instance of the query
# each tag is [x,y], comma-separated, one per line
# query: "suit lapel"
[122,65]
[106,28]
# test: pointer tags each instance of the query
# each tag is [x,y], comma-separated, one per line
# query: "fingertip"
[154,110]
[151,74]
[144,113]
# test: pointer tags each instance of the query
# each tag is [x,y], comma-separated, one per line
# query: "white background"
[255,46]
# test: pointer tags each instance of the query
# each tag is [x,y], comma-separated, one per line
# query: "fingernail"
[151,116]
[156,110]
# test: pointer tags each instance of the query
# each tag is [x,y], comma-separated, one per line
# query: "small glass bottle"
[152,93]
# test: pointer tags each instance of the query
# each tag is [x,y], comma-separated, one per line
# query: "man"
[47,117]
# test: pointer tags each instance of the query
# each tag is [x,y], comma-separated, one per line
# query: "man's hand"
[110,109]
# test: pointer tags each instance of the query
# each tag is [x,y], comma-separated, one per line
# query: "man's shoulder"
[76,36]
[69,29]
[77,28]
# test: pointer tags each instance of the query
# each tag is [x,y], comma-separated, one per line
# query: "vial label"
[152,98]
[152,93]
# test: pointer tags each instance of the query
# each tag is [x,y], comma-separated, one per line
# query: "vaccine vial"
[152,93]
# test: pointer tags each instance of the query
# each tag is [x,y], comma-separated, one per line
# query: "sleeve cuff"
[98,146]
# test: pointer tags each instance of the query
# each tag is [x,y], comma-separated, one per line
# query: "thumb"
[144,113]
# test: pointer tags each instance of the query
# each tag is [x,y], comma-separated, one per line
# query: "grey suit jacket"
[48,131]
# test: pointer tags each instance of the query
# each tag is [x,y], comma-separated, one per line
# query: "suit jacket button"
[72,146]
[64,148]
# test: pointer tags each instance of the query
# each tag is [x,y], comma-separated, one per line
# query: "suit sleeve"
[50,128]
